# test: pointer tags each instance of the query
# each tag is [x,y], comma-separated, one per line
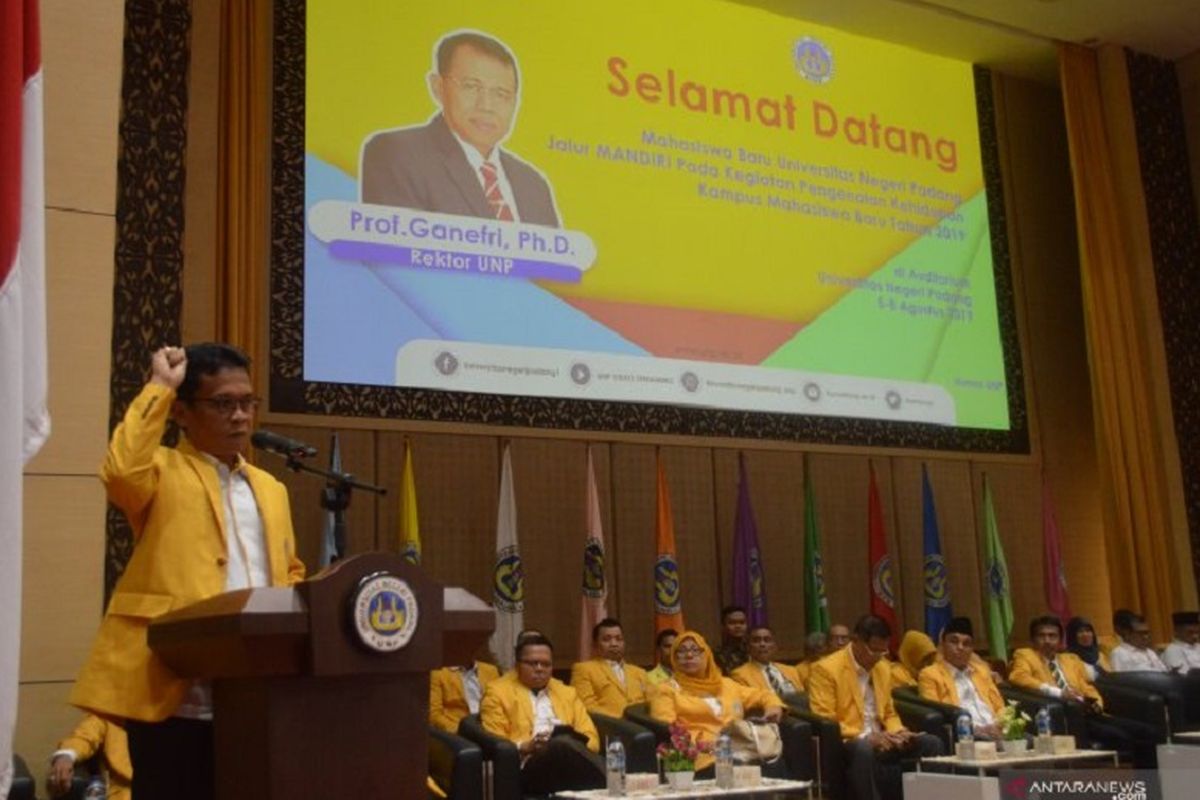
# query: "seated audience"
[1042,668]
[917,651]
[816,646]
[92,735]
[854,687]
[455,692]
[761,672]
[839,637]
[1183,654]
[607,683]
[1081,640]
[958,677]
[662,648]
[1134,653]
[732,652]
[546,720]
[702,699]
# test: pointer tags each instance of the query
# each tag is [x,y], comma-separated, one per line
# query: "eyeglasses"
[473,88]
[535,664]
[688,652]
[225,406]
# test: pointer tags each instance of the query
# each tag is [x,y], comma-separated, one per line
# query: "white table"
[1190,737]
[1017,762]
[706,788]
[1178,771]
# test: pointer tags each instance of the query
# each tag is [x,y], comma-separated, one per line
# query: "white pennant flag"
[508,576]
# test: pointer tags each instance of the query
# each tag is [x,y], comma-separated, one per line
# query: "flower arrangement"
[1012,721]
[679,752]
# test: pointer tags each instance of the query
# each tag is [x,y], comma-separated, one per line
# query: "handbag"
[754,742]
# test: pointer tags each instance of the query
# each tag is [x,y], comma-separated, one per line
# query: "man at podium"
[204,522]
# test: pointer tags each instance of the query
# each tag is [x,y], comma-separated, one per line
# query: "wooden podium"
[322,690]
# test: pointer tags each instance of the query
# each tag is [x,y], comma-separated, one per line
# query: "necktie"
[491,190]
[1059,678]
[778,684]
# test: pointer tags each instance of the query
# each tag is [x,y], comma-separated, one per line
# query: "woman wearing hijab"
[1081,640]
[702,699]
[917,652]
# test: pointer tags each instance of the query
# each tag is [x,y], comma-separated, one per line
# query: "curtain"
[1135,443]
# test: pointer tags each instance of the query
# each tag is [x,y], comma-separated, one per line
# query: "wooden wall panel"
[63,566]
[840,492]
[81,54]
[633,491]
[43,719]
[79,270]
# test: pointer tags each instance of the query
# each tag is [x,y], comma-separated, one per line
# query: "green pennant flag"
[815,603]
[999,590]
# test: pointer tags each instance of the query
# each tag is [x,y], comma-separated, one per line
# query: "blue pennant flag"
[937,583]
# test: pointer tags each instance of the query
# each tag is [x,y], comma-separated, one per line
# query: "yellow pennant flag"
[410,528]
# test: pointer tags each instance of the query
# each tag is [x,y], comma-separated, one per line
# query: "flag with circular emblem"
[999,594]
[508,575]
[668,606]
[410,526]
[883,595]
[594,583]
[937,584]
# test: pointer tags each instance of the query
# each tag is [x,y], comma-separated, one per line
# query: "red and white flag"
[24,421]
[594,586]
[1054,579]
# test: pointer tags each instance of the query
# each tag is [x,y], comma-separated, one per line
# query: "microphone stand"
[335,497]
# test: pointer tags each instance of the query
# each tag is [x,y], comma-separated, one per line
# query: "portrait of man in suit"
[454,163]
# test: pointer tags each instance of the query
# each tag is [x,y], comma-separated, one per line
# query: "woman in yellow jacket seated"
[917,652]
[702,699]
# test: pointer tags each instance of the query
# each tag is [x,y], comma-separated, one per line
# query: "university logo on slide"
[508,581]
[881,581]
[813,60]
[384,612]
[666,585]
[593,569]
[937,592]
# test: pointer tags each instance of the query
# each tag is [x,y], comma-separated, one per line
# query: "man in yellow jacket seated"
[546,720]
[455,692]
[957,677]
[703,700]
[1042,668]
[760,672]
[607,683]
[854,687]
[91,736]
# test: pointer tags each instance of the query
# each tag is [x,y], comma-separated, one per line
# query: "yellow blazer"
[936,682]
[803,671]
[900,674]
[670,703]
[93,734]
[172,499]
[448,699]
[507,710]
[833,692]
[1029,671]
[600,690]
[751,674]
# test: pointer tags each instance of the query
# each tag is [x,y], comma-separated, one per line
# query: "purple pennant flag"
[749,583]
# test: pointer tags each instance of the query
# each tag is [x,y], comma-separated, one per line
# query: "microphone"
[274,443]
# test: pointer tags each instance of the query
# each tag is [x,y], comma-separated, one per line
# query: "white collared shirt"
[870,710]
[968,696]
[247,565]
[1181,656]
[618,669]
[1127,658]
[543,711]
[472,690]
[476,160]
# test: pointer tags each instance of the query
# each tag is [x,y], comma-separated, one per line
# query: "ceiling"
[1014,36]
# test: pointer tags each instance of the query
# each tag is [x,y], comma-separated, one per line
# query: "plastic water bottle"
[1043,721]
[615,768]
[724,754]
[964,729]
[95,789]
